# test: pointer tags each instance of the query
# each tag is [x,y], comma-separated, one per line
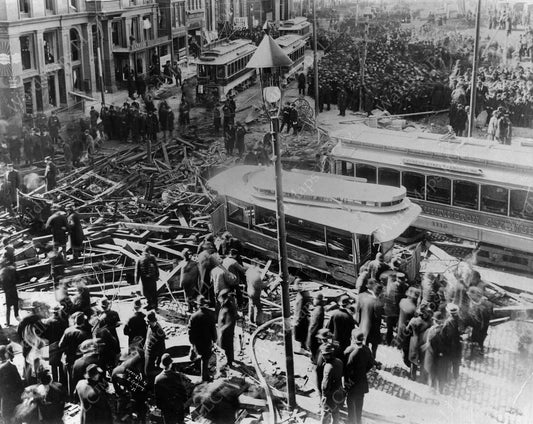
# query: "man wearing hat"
[55,326]
[13,181]
[170,394]
[111,317]
[392,299]
[93,396]
[451,336]
[50,174]
[377,266]
[341,323]
[254,287]
[8,281]
[147,271]
[480,312]
[189,278]
[51,406]
[203,334]
[227,319]
[57,224]
[316,322]
[366,315]
[90,355]
[135,327]
[154,346]
[359,361]
[11,385]
[332,392]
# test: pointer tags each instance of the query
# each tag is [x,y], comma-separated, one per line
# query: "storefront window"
[465,194]
[494,199]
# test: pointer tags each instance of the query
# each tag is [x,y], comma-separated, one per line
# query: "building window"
[73,6]
[75,46]
[388,176]
[24,6]
[49,5]
[415,184]
[50,47]
[494,199]
[77,82]
[521,204]
[27,52]
[465,194]
[366,171]
[439,189]
[117,34]
[147,28]
[134,33]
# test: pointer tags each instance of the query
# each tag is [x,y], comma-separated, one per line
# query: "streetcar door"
[218,219]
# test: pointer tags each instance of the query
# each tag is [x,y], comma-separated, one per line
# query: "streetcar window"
[265,221]
[339,244]
[365,247]
[494,199]
[237,214]
[389,176]
[414,183]
[465,194]
[201,70]
[366,171]
[305,234]
[438,189]
[220,71]
[347,168]
[521,204]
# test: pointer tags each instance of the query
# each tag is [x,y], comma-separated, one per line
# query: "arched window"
[75,45]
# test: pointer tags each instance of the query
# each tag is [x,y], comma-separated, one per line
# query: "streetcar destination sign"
[452,167]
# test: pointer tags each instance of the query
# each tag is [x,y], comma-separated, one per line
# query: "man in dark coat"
[73,337]
[377,266]
[341,324]
[9,281]
[55,327]
[13,180]
[359,361]
[316,322]
[392,297]
[11,385]
[154,347]
[147,271]
[301,83]
[76,235]
[50,174]
[451,336]
[332,392]
[366,312]
[94,401]
[203,334]
[51,406]
[189,278]
[240,132]
[170,394]
[206,262]
[342,101]
[293,119]
[301,315]
[135,327]
[229,138]
[227,319]
[53,127]
[57,223]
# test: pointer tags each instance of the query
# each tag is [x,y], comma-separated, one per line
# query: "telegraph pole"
[315,62]
[473,86]
[99,48]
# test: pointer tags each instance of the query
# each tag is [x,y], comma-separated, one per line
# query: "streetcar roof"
[238,183]
[296,23]
[290,39]
[226,52]
[477,158]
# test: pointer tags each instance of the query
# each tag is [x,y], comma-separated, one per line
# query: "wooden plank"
[165,249]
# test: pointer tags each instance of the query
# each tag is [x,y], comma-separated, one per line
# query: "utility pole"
[473,86]
[315,62]
[170,20]
[99,48]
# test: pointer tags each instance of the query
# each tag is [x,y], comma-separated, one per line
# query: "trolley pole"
[315,63]
[473,86]
[99,54]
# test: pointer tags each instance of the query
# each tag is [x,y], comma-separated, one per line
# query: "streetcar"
[471,189]
[294,46]
[221,68]
[299,26]
[333,223]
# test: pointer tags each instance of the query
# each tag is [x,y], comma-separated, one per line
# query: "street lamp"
[269,59]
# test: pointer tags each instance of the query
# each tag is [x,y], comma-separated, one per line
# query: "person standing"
[493,125]
[240,132]
[184,110]
[332,392]
[147,271]
[93,397]
[301,83]
[8,281]
[57,223]
[217,120]
[342,101]
[51,405]
[341,324]
[359,361]
[286,117]
[255,286]
[50,174]
[55,327]
[392,297]
[229,138]
[301,314]
[154,346]
[416,329]
[53,127]
[207,260]
[407,309]
[170,394]
[451,336]
[227,319]
[479,316]
[13,180]
[135,327]
[366,311]
[11,385]
[177,73]
[316,322]
[76,235]
[90,354]
[433,354]
[203,334]
[377,266]
[93,117]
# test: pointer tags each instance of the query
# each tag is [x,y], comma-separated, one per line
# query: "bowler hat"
[93,370]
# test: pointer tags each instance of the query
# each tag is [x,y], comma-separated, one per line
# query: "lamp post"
[269,59]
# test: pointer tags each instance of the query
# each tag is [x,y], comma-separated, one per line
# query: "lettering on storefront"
[509,225]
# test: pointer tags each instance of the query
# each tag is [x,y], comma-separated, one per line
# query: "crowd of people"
[428,321]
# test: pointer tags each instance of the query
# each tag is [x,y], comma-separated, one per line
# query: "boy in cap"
[135,328]
[170,394]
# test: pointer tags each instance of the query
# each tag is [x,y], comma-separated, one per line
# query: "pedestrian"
[341,323]
[479,316]
[154,347]
[377,266]
[54,329]
[332,396]
[50,174]
[8,281]
[147,271]
[207,260]
[504,129]
[184,110]
[416,331]
[493,125]
[316,322]
[104,332]
[57,224]
[53,127]
[203,334]
[293,120]
[94,402]
[167,72]
[229,139]
[177,73]
[51,402]
[227,319]
[136,328]
[407,307]
[301,314]
[342,101]
[460,121]
[189,278]
[216,118]
[93,117]
[367,315]
[11,385]
[170,393]
[76,234]
[433,354]
[301,83]
[392,297]
[240,131]
[226,112]
[359,361]
[451,336]
[255,286]
[90,354]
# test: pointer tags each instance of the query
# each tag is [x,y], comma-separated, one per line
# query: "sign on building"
[240,23]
